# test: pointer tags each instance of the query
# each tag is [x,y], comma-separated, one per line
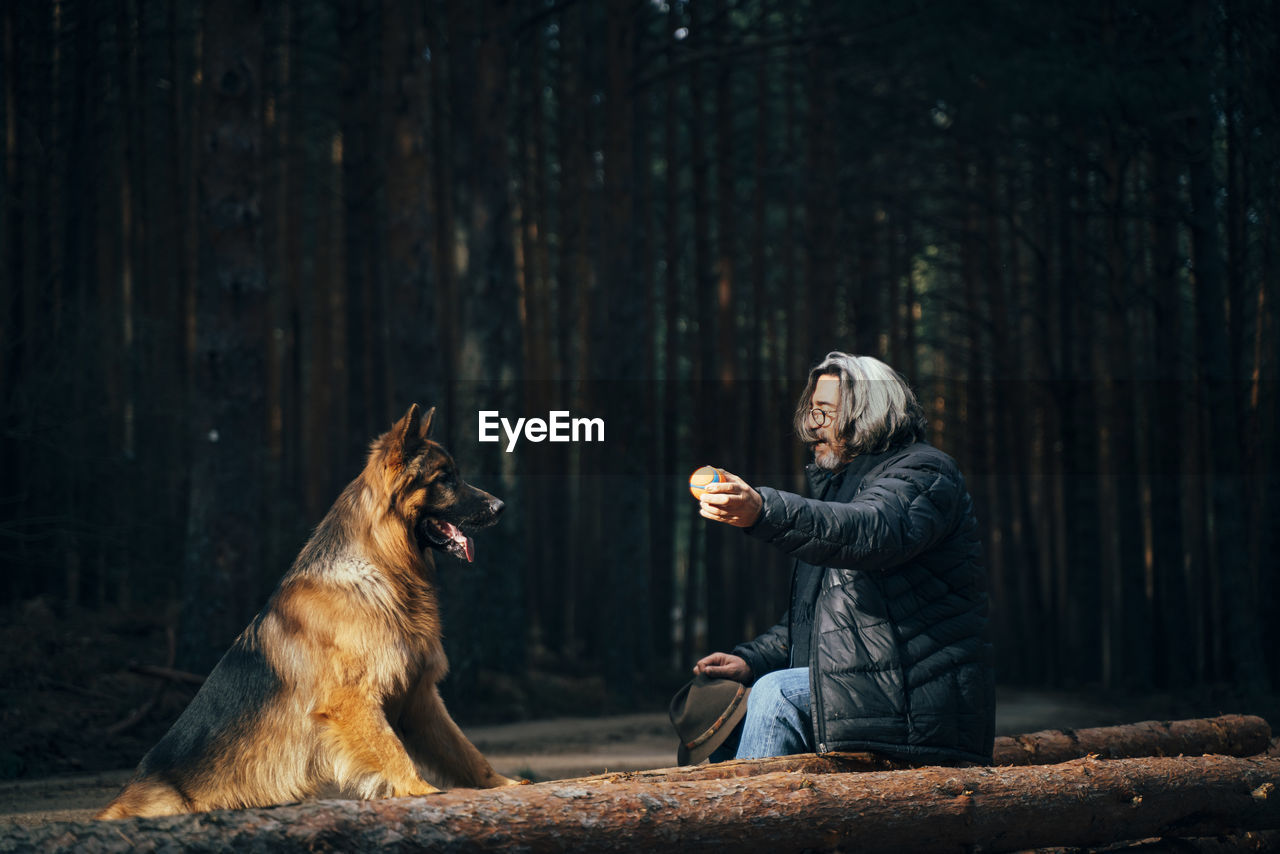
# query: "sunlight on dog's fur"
[332,687]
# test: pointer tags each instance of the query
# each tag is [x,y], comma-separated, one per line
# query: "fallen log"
[1228,735]
[1232,843]
[1084,802]
[807,763]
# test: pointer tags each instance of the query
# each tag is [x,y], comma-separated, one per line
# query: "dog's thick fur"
[332,687]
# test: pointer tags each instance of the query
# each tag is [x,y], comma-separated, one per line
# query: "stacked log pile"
[1207,781]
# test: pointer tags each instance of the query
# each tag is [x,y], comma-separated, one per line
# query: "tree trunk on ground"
[1084,802]
[1228,735]
[1263,840]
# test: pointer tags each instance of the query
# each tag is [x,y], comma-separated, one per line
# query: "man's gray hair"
[877,409]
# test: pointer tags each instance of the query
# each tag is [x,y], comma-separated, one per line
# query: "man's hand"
[723,665]
[733,502]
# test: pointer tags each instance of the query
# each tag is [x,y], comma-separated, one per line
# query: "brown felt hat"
[704,712]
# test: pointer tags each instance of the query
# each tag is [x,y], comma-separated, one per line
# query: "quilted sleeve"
[909,507]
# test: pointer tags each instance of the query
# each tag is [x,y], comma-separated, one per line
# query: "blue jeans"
[777,721]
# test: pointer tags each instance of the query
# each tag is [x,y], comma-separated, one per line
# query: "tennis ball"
[703,476]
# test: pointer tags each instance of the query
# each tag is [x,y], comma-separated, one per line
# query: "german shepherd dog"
[332,687]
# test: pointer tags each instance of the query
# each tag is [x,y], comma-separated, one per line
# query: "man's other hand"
[733,502]
[723,665]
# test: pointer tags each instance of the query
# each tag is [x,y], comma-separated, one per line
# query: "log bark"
[1234,843]
[1228,735]
[1084,802]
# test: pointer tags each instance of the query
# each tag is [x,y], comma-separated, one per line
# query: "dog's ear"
[426,423]
[408,431]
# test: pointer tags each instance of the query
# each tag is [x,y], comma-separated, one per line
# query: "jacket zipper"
[815,684]
[816,717]
[791,615]
[815,690]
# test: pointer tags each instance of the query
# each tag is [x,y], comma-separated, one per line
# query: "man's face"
[828,451]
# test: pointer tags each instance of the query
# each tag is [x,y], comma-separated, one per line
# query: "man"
[883,647]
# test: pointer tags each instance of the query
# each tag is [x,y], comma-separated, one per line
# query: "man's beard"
[827,457]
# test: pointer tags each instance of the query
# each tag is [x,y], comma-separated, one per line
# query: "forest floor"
[63,682]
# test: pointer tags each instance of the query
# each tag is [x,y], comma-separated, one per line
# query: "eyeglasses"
[821,417]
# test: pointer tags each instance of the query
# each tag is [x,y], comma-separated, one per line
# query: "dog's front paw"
[418,789]
[497,781]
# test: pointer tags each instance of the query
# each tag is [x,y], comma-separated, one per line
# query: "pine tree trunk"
[1174,631]
[489,362]
[1221,449]
[221,579]
[363,232]
[665,546]
[10,290]
[726,586]
[410,363]
[618,372]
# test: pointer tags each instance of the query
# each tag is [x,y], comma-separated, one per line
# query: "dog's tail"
[146,798]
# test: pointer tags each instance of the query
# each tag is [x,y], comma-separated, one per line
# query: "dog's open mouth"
[449,537]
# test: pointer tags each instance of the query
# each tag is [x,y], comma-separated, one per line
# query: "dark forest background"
[238,238]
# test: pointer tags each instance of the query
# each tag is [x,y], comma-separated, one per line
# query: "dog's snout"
[495,507]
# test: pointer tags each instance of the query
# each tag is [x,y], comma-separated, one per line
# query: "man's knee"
[776,687]
[777,720]
[768,685]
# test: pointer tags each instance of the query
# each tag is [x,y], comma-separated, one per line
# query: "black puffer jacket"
[888,608]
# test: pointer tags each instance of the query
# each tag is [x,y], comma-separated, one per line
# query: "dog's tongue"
[460,540]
